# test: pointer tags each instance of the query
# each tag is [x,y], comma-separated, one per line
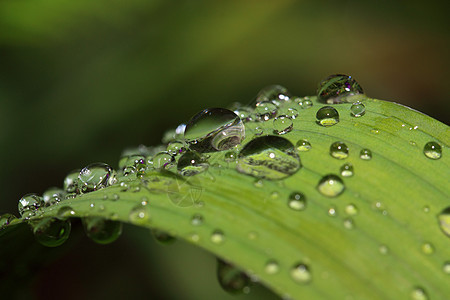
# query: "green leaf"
[379,239]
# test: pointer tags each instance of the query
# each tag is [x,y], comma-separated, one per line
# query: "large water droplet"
[96,176]
[444,221]
[231,279]
[339,150]
[432,150]
[214,129]
[191,163]
[29,204]
[347,170]
[101,230]
[339,88]
[269,157]
[358,109]
[331,186]
[300,273]
[297,201]
[71,181]
[51,232]
[53,196]
[282,124]
[303,145]
[327,116]
[265,110]
[419,293]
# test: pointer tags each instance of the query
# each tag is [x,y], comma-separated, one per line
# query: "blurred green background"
[82,80]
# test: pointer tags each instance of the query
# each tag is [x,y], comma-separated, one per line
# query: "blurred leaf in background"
[82,80]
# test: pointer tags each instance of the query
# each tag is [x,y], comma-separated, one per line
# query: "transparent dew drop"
[95,176]
[214,129]
[303,145]
[444,221]
[427,248]
[6,219]
[351,210]
[133,164]
[346,170]
[29,204]
[282,125]
[71,181]
[218,237]
[288,111]
[446,267]
[244,113]
[357,109]
[231,279]
[139,214]
[332,212]
[300,273]
[383,249]
[349,223]
[365,154]
[339,150]
[65,212]
[327,116]
[419,293]
[339,88]
[304,102]
[191,163]
[100,230]
[230,156]
[162,160]
[432,150]
[197,220]
[331,186]
[53,196]
[51,232]
[297,201]
[175,147]
[163,237]
[265,110]
[273,93]
[269,157]
[272,267]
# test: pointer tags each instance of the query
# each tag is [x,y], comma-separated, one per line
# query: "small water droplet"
[300,273]
[51,232]
[258,183]
[327,116]
[339,150]
[427,248]
[383,249]
[358,109]
[347,170]
[419,293]
[375,131]
[365,154]
[29,204]
[230,156]
[274,93]
[292,113]
[95,176]
[53,196]
[6,219]
[101,230]
[197,220]
[231,279]
[244,113]
[444,221]
[304,102]
[303,145]
[432,150]
[191,163]
[265,110]
[274,195]
[132,164]
[218,237]
[339,88]
[297,201]
[259,131]
[351,210]
[282,124]
[349,223]
[446,267]
[269,157]
[426,209]
[252,235]
[163,237]
[272,267]
[65,212]
[139,214]
[162,160]
[71,181]
[331,186]
[332,212]
[175,147]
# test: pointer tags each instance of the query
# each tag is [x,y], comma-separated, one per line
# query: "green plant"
[316,197]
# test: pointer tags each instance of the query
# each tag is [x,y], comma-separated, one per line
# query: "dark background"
[82,80]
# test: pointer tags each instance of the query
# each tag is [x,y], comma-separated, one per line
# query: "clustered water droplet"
[29,204]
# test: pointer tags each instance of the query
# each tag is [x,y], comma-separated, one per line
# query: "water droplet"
[300,273]
[231,279]
[365,154]
[419,293]
[259,131]
[292,113]
[265,110]
[358,109]
[258,183]
[175,147]
[133,164]
[96,176]
[274,93]
[71,181]
[304,102]
[6,219]
[101,230]
[351,210]
[162,160]
[303,145]
[269,157]
[163,237]
[272,267]
[65,212]
[432,150]
[282,124]
[446,267]
[274,195]
[244,113]
[331,186]
[444,221]
[375,131]
[217,237]
[426,209]
[51,232]
[327,116]
[214,129]
[332,212]
[29,204]
[190,163]
[53,196]
[139,214]
[349,223]
[339,88]
[339,150]
[427,248]
[347,170]
[197,220]
[230,156]
[297,201]
[383,249]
